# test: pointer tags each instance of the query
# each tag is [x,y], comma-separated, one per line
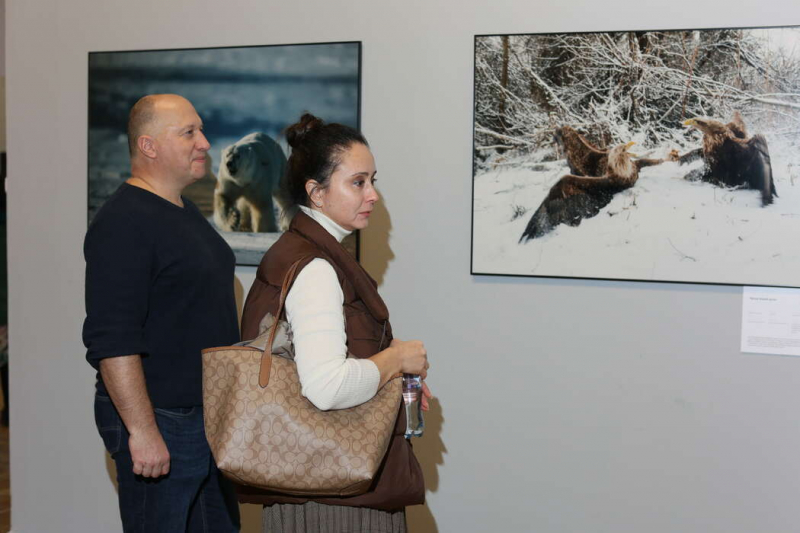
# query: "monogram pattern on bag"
[275,439]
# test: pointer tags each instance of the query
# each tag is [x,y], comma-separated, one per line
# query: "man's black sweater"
[159,283]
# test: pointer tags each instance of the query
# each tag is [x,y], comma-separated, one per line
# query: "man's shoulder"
[131,204]
[123,202]
[125,213]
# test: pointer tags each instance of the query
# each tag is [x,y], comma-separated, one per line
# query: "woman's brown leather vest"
[399,482]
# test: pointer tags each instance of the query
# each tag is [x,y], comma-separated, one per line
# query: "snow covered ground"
[662,229]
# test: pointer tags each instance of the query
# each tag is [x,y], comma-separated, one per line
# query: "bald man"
[159,288]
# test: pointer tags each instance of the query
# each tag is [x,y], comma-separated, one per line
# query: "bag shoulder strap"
[266,356]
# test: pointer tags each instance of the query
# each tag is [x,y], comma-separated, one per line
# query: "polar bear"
[250,174]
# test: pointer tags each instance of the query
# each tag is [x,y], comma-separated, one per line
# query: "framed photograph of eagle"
[643,155]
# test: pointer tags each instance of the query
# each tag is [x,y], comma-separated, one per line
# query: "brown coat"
[399,482]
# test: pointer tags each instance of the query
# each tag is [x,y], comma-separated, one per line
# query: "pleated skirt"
[313,517]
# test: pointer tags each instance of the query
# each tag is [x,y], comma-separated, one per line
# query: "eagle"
[586,159]
[736,127]
[732,159]
[574,198]
[583,158]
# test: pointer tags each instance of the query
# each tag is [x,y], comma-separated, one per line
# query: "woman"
[334,309]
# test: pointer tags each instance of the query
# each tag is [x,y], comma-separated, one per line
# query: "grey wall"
[562,405]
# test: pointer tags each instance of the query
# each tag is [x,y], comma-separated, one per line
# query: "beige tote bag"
[263,432]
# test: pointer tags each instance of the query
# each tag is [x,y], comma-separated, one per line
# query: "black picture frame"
[620,86]
[237,90]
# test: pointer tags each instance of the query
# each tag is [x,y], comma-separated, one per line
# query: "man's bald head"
[144,118]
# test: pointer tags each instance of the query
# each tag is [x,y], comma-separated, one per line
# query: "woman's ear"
[314,192]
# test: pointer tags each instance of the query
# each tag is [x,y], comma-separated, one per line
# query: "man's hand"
[149,453]
[124,379]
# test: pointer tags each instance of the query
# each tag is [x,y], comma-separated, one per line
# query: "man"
[159,288]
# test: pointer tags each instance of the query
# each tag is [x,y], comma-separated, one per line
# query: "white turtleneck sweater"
[314,310]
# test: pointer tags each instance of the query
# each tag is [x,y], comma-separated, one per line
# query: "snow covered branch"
[626,86]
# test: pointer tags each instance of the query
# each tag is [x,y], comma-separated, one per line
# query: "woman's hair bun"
[299,130]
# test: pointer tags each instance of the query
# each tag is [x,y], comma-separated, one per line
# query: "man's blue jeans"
[193,497]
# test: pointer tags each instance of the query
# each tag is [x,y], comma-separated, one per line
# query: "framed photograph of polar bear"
[246,97]
[667,155]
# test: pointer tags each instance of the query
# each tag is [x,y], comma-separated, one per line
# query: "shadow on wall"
[430,448]
[111,468]
[430,451]
[251,518]
[375,239]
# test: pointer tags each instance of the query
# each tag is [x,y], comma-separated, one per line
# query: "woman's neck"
[323,220]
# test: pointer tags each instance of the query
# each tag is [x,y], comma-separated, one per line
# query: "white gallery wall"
[563,405]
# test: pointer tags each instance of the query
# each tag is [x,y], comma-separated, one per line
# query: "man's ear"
[147,146]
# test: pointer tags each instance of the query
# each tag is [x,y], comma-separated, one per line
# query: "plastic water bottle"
[412,398]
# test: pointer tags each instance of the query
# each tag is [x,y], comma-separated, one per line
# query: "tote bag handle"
[266,356]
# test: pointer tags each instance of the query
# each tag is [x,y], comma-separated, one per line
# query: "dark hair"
[317,148]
